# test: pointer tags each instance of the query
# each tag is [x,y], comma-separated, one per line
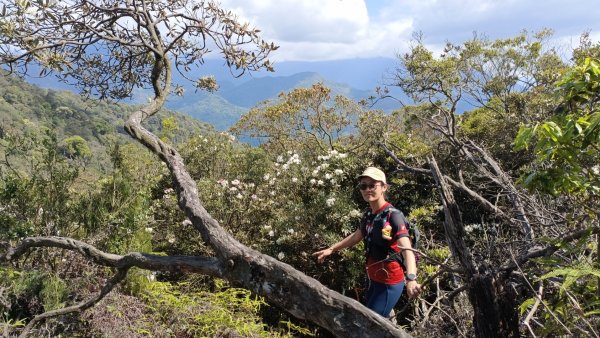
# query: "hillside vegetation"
[213,238]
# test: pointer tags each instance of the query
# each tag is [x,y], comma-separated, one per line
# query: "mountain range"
[356,79]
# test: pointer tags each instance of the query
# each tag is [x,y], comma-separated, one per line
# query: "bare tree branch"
[110,284]
[548,250]
[460,185]
[205,265]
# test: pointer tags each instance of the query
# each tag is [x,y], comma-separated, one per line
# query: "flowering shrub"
[285,205]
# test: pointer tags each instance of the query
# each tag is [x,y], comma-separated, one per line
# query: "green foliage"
[304,120]
[169,128]
[206,314]
[54,292]
[32,291]
[76,146]
[567,146]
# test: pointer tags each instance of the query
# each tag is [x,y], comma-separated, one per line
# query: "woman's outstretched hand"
[322,254]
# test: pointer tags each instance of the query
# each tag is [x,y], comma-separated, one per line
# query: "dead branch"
[538,300]
[457,184]
[548,250]
[110,284]
[205,265]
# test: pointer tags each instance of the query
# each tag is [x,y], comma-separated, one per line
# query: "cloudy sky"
[315,30]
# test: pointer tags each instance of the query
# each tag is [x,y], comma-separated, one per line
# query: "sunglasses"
[365,186]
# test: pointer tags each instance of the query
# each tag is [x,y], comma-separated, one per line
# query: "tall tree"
[108,48]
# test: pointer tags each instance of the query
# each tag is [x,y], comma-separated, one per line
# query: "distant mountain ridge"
[237,95]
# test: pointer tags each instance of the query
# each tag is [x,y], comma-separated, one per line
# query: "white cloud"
[319,21]
[338,29]
[319,29]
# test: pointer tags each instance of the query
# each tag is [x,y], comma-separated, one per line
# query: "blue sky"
[316,30]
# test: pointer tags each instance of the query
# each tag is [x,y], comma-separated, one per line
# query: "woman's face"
[370,189]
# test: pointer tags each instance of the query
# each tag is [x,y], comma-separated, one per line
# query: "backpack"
[415,237]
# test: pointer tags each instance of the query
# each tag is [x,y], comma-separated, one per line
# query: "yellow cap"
[374,173]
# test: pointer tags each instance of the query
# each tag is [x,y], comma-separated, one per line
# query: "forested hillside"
[83,128]
[198,235]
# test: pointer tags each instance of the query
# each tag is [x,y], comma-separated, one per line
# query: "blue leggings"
[381,298]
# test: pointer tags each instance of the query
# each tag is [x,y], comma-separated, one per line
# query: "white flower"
[272,193]
[342,155]
[171,240]
[328,176]
[596,170]
[149,230]
[186,222]
[267,227]
[333,181]
[254,197]
[235,182]
[294,179]
[355,213]
[294,159]
[231,138]
[233,189]
[281,255]
[223,183]
[333,152]
[279,159]
[251,185]
[291,231]
[239,196]
[313,181]
[286,166]
[338,172]
[279,241]
[266,177]
[325,165]
[271,233]
[289,152]
[330,201]
[319,182]
[315,172]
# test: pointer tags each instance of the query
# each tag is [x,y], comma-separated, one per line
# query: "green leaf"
[525,305]
[524,137]
[552,130]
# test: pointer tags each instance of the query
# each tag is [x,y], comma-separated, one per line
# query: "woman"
[386,275]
